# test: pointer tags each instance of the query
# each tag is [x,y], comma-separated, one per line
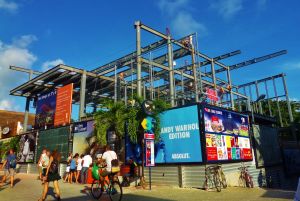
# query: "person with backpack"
[52,175]
[10,165]
[111,160]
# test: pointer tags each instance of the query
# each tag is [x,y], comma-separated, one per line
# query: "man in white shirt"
[86,163]
[108,156]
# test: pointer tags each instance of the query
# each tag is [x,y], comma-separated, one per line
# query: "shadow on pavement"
[289,195]
[126,197]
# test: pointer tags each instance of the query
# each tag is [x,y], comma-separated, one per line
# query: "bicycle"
[112,188]
[245,179]
[215,175]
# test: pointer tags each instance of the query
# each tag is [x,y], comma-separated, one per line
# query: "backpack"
[13,163]
[115,167]
[95,172]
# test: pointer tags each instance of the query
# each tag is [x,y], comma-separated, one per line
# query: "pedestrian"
[87,161]
[73,168]
[45,163]
[68,167]
[10,165]
[40,166]
[79,166]
[52,175]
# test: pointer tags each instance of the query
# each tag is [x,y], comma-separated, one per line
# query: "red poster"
[212,94]
[63,105]
[246,154]
[211,153]
[229,153]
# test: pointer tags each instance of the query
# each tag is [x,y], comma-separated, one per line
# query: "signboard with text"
[226,135]
[180,136]
[54,107]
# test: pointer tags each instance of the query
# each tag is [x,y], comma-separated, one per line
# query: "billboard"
[226,135]
[27,148]
[54,107]
[81,132]
[180,136]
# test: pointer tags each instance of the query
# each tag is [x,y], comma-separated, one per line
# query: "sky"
[41,34]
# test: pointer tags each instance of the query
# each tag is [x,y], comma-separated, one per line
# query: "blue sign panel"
[180,136]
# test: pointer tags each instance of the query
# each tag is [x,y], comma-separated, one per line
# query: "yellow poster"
[228,141]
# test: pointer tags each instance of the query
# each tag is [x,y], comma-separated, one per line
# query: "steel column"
[82,95]
[257,94]
[230,84]
[277,102]
[213,74]
[287,100]
[195,74]
[138,57]
[267,93]
[171,73]
[26,114]
[182,89]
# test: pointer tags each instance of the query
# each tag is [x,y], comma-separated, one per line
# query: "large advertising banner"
[63,105]
[180,136]
[54,107]
[45,109]
[82,131]
[226,135]
[27,148]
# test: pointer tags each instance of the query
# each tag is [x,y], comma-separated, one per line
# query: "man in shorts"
[10,164]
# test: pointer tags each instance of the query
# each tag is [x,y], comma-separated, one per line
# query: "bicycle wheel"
[223,181]
[217,182]
[96,189]
[242,182]
[249,182]
[115,191]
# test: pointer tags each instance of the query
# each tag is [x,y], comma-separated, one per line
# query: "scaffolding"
[168,69]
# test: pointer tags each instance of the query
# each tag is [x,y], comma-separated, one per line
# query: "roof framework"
[141,73]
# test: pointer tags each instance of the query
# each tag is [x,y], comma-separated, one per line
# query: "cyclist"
[108,156]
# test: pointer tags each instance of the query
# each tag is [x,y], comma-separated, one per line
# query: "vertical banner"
[26,148]
[63,105]
[45,109]
[82,131]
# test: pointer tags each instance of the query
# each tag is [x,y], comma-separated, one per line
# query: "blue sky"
[39,34]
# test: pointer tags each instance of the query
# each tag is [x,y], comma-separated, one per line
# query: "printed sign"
[226,135]
[82,131]
[180,136]
[149,156]
[54,107]
[63,105]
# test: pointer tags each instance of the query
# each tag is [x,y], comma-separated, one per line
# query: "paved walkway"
[28,188]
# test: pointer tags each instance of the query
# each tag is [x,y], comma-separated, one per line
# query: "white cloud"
[182,22]
[8,5]
[227,8]
[16,54]
[49,64]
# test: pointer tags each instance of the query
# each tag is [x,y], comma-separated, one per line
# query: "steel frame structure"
[145,75]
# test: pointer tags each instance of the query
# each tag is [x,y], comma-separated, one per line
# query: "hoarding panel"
[226,135]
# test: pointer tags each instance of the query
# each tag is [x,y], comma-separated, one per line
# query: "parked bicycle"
[110,187]
[214,176]
[245,179]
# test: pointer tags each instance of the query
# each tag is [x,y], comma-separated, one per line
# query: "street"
[28,188]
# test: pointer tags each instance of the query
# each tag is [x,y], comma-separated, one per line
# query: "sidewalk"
[28,188]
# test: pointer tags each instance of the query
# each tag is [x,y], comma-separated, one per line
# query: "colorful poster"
[54,107]
[82,131]
[149,150]
[26,148]
[45,109]
[180,136]
[227,135]
[63,105]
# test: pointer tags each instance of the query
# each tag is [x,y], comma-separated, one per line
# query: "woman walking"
[52,175]
[79,167]
[73,169]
